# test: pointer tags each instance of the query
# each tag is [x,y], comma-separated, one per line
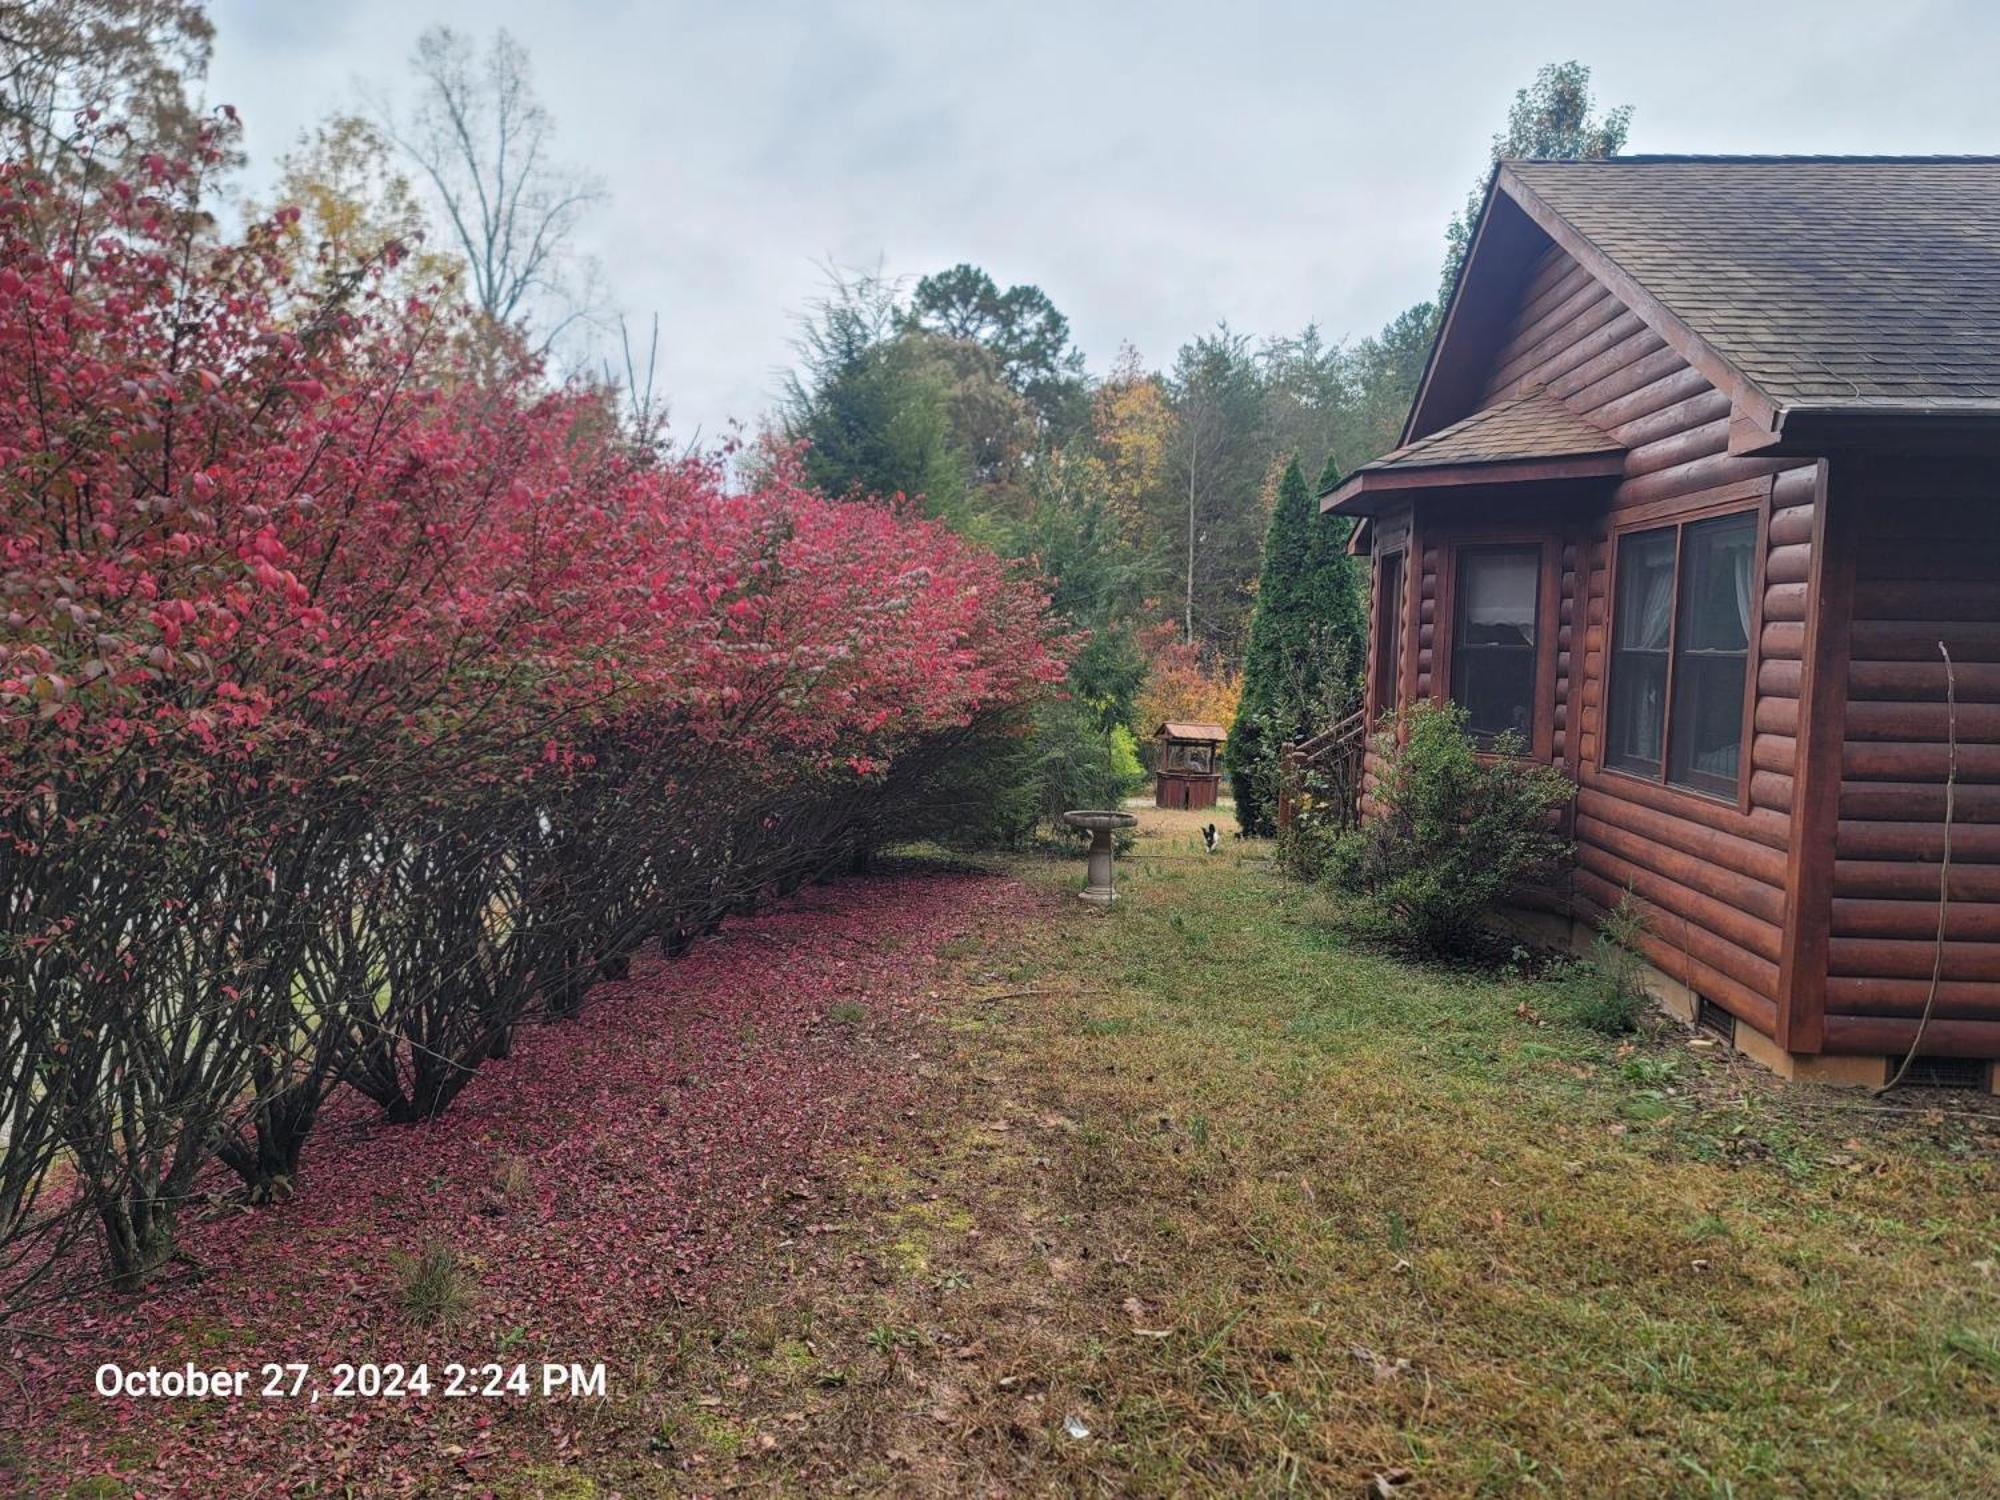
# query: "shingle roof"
[1175,730]
[1532,425]
[1842,281]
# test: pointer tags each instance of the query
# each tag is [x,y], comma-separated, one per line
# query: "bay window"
[1493,648]
[1680,652]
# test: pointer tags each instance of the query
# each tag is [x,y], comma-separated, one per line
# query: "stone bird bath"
[1099,889]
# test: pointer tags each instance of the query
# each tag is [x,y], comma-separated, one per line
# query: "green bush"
[1456,831]
[1605,991]
[1125,762]
[1079,761]
[1312,847]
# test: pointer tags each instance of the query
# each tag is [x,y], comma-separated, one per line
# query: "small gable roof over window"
[1533,437]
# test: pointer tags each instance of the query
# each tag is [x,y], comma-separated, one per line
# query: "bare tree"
[645,411]
[484,143]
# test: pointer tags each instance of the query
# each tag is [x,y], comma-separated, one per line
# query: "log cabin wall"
[1926,569]
[1709,874]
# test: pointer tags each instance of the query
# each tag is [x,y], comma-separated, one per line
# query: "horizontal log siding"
[1709,876]
[1927,570]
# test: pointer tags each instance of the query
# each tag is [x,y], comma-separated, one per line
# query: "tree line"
[1170,506]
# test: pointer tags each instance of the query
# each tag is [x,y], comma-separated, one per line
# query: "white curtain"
[1740,559]
[1654,619]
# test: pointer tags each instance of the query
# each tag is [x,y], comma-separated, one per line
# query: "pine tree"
[1305,643]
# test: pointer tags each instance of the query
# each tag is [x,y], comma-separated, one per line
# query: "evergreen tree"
[1305,644]
[873,409]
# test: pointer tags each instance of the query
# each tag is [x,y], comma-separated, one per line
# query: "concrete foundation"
[1554,930]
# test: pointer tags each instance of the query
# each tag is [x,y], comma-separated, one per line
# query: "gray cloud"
[1154,167]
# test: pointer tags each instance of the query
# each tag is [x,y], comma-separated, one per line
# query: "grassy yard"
[1197,1199]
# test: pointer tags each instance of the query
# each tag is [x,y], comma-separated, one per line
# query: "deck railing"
[1331,763]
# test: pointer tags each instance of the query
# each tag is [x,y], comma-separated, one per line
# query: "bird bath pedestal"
[1099,889]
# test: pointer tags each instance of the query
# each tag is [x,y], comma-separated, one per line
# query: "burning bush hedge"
[361,697]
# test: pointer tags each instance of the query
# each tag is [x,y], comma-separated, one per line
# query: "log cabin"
[1697,489]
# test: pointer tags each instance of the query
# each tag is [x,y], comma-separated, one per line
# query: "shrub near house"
[1455,832]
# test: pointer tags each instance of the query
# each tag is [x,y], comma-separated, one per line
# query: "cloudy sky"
[1154,167]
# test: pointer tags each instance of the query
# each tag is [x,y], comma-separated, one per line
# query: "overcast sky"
[1154,167]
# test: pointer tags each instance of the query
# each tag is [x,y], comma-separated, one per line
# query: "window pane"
[1715,599]
[1644,615]
[1641,625]
[1712,652]
[1638,735]
[1389,635]
[1496,688]
[1493,650]
[1708,720]
[1496,597]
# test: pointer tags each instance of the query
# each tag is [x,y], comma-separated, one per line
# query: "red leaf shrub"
[356,699]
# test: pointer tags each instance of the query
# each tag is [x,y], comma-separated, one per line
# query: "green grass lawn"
[1262,1213]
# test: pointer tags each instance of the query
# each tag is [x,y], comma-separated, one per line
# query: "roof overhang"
[1368,492]
[1914,426]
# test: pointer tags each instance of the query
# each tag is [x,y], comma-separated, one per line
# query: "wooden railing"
[1331,761]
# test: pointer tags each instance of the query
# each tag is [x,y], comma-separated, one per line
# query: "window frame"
[1679,522]
[1385,674]
[1548,604]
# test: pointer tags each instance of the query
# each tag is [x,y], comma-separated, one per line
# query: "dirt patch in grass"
[1197,1199]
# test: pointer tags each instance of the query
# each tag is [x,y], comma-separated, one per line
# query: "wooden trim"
[1736,495]
[1753,663]
[1400,555]
[1413,614]
[1809,869]
[1548,626]
[1673,663]
[1626,523]
[1749,401]
[1365,483]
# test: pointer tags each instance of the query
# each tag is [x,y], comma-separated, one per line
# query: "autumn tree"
[355,207]
[130,62]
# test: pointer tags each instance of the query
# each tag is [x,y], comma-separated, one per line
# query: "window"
[1388,633]
[1642,628]
[1680,651]
[1493,640]
[1193,758]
